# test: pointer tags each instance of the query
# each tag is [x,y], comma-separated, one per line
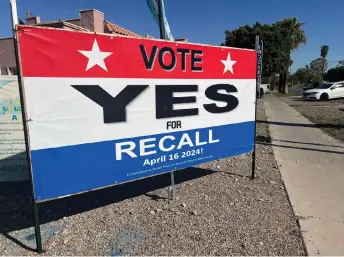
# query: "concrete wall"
[7,56]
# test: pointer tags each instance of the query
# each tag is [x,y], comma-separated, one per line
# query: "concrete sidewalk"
[312,167]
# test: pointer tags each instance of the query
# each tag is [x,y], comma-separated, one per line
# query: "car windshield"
[325,85]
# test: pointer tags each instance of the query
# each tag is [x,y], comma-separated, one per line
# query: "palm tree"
[296,37]
[323,53]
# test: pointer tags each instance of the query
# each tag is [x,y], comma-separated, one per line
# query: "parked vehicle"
[264,89]
[325,91]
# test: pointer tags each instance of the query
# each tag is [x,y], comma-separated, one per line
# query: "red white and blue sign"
[105,109]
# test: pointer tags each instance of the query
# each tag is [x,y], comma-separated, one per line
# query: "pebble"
[66,241]
[158,210]
[258,168]
[218,167]
[236,179]
[272,182]
[184,205]
[152,212]
[261,200]
[297,161]
[261,243]
[177,198]
[281,187]
[194,212]
[231,204]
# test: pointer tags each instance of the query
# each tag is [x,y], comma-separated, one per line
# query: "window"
[325,85]
[3,71]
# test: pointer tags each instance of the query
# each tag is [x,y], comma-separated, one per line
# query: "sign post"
[13,7]
[259,63]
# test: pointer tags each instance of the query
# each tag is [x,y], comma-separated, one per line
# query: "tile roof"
[61,24]
[113,28]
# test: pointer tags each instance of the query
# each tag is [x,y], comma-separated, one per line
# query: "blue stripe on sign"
[73,169]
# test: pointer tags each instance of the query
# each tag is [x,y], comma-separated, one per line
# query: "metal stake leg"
[37,228]
[171,189]
[172,185]
[253,163]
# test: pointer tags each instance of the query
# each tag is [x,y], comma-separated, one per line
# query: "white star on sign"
[95,56]
[228,64]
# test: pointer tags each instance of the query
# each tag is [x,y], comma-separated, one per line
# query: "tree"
[294,36]
[280,39]
[244,37]
[335,74]
[307,75]
[303,75]
[323,53]
[318,66]
[341,63]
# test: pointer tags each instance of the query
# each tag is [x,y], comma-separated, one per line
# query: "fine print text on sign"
[105,109]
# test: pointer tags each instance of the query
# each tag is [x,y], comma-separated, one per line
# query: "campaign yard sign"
[105,109]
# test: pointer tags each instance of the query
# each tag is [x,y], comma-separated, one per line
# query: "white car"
[264,89]
[325,91]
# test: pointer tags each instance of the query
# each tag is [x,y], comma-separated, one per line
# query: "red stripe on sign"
[47,52]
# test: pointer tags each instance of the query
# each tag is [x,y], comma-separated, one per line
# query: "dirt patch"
[327,115]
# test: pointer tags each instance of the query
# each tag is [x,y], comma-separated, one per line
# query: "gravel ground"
[328,115]
[218,211]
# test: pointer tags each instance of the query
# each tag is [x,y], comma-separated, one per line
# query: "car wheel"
[324,97]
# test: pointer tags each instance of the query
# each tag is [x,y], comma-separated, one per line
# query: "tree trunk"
[285,83]
[280,82]
[273,82]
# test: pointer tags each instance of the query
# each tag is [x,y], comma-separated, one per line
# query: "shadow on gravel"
[303,148]
[304,143]
[16,206]
[263,139]
[339,126]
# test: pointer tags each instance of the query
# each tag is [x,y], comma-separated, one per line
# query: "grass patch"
[278,94]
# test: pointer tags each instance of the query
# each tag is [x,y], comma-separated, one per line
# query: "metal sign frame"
[14,16]
[171,191]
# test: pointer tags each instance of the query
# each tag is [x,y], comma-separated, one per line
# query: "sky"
[204,21]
